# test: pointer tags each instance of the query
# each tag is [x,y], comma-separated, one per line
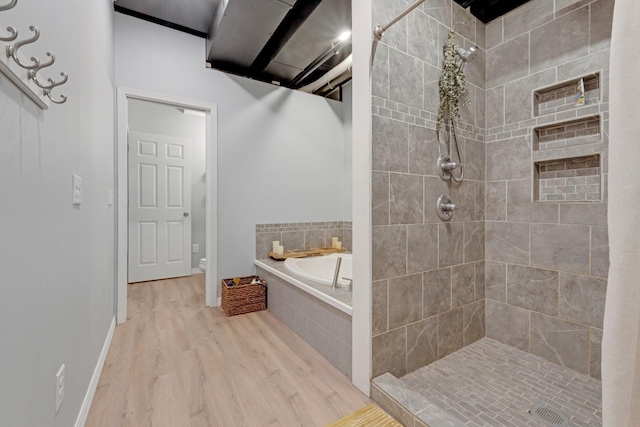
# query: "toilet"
[203,265]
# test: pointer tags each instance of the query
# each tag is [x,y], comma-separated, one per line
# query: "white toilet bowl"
[203,265]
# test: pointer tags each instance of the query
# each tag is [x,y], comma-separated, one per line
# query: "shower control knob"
[445,207]
[445,166]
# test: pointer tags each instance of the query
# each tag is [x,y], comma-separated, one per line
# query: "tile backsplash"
[301,235]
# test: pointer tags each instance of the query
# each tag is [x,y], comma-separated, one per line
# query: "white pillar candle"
[279,250]
[338,245]
[334,242]
[275,244]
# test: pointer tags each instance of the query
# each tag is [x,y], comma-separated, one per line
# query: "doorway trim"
[123,94]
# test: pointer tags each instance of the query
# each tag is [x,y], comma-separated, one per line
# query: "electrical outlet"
[77,190]
[195,248]
[60,388]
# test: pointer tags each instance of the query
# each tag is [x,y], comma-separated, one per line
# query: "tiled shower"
[525,260]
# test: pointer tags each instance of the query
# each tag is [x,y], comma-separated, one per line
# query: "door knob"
[186,214]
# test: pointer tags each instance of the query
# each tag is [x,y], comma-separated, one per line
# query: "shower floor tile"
[491,384]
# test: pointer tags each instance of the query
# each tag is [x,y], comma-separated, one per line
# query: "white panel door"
[159,207]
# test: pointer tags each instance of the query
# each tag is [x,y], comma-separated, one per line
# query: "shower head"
[468,55]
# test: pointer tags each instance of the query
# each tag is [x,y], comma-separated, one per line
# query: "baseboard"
[219,302]
[196,271]
[93,385]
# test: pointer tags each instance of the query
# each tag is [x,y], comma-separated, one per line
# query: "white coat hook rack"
[23,72]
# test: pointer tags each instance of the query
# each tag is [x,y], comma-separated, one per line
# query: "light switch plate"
[195,248]
[77,190]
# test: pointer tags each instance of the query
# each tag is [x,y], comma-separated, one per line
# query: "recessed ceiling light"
[345,35]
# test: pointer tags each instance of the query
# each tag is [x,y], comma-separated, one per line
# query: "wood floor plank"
[178,363]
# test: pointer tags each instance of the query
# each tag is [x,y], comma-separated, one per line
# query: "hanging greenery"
[453,84]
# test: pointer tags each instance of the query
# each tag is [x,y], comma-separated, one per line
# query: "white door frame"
[211,219]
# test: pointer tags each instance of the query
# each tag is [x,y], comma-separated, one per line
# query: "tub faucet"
[337,273]
[350,283]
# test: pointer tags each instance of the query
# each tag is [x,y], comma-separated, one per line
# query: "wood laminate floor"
[177,363]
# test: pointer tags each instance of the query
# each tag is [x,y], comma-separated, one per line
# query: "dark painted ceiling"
[286,42]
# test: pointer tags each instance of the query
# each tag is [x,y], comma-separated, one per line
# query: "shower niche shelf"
[569,133]
[571,179]
[562,96]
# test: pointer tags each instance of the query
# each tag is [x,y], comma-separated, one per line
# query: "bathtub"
[320,269]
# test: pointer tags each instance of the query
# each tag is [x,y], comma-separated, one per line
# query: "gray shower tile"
[406,199]
[406,86]
[473,241]
[493,33]
[587,64]
[520,208]
[389,144]
[560,247]
[464,195]
[480,201]
[565,6]
[560,40]
[380,72]
[439,10]
[424,149]
[423,37]
[481,35]
[582,299]
[600,26]
[436,292]
[450,329]
[405,300]
[264,243]
[468,111]
[464,22]
[495,281]
[494,107]
[595,353]
[347,243]
[474,160]
[389,251]
[392,407]
[389,353]
[462,285]
[527,17]
[507,324]
[599,251]
[379,296]
[382,12]
[517,95]
[422,247]
[496,201]
[473,322]
[508,61]
[533,289]
[561,342]
[433,188]
[380,198]
[481,108]
[507,242]
[422,343]
[450,244]
[583,213]
[431,88]
[514,159]
[479,277]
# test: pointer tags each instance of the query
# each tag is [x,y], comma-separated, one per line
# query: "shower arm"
[379,30]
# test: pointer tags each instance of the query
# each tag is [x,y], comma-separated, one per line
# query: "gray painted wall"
[166,120]
[56,261]
[347,114]
[280,152]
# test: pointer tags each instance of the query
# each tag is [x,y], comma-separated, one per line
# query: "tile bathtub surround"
[546,263]
[301,235]
[428,275]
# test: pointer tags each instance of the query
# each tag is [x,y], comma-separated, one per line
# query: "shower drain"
[549,416]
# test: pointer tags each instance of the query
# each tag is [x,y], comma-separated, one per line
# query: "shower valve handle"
[446,165]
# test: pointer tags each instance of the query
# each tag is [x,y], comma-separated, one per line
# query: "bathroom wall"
[56,260]
[428,289]
[547,262]
[347,120]
[280,152]
[166,120]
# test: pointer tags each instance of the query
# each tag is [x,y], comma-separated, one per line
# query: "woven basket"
[243,297]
